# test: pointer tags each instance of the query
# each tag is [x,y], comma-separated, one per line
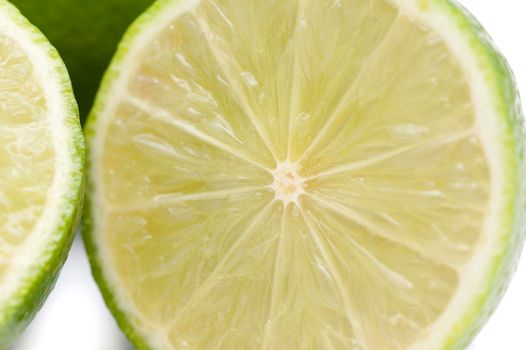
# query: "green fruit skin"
[85,33]
[502,82]
[38,291]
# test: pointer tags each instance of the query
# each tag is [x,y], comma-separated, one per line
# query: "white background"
[75,318]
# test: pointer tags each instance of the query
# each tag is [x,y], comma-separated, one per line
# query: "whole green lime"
[85,33]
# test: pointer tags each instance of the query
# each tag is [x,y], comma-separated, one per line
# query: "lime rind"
[500,82]
[39,278]
[140,341]
[500,79]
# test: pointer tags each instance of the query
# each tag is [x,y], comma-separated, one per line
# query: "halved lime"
[305,174]
[41,170]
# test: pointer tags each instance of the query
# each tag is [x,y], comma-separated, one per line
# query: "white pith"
[489,131]
[285,175]
[45,235]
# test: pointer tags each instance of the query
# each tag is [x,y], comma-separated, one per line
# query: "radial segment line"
[374,229]
[352,317]
[240,96]
[166,117]
[350,90]
[278,266]
[394,276]
[176,198]
[219,345]
[203,288]
[295,93]
[361,164]
[167,267]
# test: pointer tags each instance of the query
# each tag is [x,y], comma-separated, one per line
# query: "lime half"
[41,170]
[305,174]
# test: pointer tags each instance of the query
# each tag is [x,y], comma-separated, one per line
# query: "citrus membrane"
[304,174]
[41,169]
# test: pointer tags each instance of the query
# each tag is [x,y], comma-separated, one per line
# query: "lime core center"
[287,185]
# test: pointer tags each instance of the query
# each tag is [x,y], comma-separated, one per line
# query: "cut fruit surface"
[41,170]
[305,174]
